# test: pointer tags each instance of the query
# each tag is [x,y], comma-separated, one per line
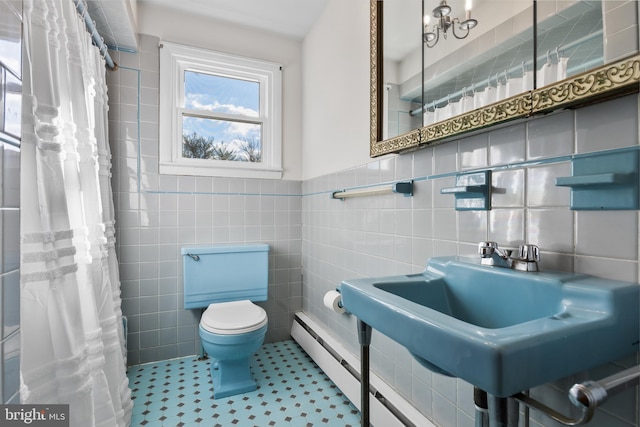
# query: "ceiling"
[290,18]
[114,21]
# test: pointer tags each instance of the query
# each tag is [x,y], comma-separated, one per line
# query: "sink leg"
[503,412]
[364,338]
[513,407]
[482,410]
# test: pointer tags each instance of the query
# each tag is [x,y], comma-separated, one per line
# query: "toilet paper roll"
[332,300]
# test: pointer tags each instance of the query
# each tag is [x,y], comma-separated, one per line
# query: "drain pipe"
[587,396]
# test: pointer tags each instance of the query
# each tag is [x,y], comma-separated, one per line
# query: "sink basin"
[499,329]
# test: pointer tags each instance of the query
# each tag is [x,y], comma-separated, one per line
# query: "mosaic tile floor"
[292,391]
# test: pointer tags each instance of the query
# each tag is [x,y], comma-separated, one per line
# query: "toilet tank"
[225,273]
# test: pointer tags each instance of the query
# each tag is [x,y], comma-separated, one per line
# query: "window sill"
[208,170]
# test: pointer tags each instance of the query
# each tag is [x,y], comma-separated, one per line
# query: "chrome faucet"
[525,260]
[491,255]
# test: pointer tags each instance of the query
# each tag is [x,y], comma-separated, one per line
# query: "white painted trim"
[174,60]
[206,170]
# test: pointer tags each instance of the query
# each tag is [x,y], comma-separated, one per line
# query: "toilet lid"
[234,317]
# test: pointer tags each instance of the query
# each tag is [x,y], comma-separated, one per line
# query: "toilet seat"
[233,318]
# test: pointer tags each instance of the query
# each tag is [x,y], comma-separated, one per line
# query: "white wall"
[193,30]
[386,235]
[335,78]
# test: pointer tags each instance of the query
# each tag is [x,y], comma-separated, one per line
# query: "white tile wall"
[621,28]
[597,129]
[391,234]
[156,215]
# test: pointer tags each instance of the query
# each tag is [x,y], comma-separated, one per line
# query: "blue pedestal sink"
[500,329]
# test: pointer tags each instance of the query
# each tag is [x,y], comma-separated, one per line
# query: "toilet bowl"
[227,280]
[230,333]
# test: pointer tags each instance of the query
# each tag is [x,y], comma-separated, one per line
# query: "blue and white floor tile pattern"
[292,391]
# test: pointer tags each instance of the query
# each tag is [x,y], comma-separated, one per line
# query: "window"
[220,115]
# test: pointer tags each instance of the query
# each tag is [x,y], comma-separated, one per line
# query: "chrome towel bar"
[405,188]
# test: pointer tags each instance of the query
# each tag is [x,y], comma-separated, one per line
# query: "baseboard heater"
[388,408]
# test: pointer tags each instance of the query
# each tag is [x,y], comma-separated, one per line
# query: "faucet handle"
[486,249]
[529,253]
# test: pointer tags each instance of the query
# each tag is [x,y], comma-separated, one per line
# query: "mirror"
[402,61]
[522,58]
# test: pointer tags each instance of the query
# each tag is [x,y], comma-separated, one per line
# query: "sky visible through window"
[228,139]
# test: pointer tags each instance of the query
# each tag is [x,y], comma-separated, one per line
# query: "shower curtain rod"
[512,70]
[98,41]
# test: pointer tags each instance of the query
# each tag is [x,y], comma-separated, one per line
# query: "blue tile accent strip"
[514,165]
[292,391]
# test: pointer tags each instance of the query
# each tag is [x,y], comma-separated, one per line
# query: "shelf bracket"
[472,191]
[603,181]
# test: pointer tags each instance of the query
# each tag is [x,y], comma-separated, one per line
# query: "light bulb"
[467,8]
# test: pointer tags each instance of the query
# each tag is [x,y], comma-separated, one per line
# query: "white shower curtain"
[71,322]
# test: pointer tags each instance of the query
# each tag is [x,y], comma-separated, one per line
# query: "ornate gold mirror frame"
[599,84]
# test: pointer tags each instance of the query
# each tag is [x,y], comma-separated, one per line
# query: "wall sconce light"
[444,22]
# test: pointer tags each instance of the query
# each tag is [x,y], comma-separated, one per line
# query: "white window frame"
[175,59]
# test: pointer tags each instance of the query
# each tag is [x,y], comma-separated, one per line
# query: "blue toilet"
[226,279]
